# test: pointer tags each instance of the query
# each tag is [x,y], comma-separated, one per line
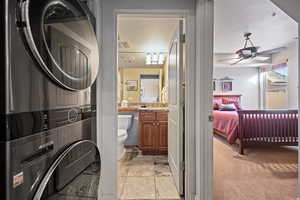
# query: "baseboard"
[190,197]
[108,197]
[131,146]
[197,197]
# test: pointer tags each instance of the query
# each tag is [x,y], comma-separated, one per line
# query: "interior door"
[176,103]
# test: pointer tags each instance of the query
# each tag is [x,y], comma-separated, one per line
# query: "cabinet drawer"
[147,116]
[162,116]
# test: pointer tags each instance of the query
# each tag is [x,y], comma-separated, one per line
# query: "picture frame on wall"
[227,86]
[132,85]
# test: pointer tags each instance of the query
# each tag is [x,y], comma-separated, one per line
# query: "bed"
[250,128]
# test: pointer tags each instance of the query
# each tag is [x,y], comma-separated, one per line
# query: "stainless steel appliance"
[49,62]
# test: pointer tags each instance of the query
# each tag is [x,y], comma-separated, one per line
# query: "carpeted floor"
[260,174]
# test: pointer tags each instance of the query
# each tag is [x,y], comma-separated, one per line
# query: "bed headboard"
[229,97]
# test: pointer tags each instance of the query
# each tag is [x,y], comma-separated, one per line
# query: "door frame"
[204,62]
[190,144]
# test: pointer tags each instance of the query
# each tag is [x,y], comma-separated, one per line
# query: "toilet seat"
[122,133]
[122,136]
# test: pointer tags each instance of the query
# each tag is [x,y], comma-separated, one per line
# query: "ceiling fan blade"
[263,55]
[240,60]
[262,58]
[228,59]
[271,51]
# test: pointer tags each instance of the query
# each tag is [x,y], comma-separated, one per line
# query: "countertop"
[137,109]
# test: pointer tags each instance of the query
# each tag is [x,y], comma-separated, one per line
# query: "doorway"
[150,108]
[255,82]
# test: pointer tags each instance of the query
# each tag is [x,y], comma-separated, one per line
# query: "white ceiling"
[235,17]
[146,34]
[232,19]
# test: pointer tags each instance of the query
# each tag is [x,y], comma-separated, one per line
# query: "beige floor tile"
[161,159]
[121,183]
[139,188]
[142,160]
[165,188]
[141,170]
[123,170]
[162,170]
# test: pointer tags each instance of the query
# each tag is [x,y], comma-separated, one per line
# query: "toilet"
[124,123]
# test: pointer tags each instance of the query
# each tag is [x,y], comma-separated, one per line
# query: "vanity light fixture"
[148,59]
[155,59]
[161,59]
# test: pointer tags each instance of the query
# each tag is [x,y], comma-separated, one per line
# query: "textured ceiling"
[270,26]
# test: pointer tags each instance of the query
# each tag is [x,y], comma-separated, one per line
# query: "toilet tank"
[124,121]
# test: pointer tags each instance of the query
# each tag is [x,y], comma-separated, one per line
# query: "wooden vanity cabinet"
[153,132]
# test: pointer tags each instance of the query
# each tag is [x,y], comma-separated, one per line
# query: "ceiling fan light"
[247,52]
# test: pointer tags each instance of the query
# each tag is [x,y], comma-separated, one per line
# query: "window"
[276,86]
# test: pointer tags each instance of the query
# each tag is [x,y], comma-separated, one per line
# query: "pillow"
[232,101]
[216,103]
[227,107]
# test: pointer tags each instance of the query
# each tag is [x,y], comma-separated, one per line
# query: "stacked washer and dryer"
[49,62]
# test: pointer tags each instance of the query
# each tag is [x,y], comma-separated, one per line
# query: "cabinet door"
[163,137]
[147,136]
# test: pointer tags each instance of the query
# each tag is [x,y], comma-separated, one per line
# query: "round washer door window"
[62,39]
[74,175]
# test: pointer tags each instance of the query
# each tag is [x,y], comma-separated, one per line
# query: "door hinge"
[182,166]
[182,38]
[210,118]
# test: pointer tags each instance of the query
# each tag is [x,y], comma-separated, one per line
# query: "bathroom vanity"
[153,131]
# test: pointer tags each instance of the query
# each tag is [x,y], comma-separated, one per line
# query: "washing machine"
[49,59]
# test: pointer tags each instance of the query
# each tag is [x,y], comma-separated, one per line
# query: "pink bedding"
[226,122]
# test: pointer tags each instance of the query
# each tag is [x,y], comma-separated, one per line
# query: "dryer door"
[61,38]
[74,175]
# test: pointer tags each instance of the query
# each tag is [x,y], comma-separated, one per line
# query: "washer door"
[74,175]
[62,39]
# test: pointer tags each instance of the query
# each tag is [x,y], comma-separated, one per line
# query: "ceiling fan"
[251,52]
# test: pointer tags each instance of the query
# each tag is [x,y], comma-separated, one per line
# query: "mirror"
[141,85]
[149,92]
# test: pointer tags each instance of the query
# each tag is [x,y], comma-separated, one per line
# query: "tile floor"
[145,177]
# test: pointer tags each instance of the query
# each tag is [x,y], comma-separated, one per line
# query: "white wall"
[291,7]
[245,83]
[107,90]
[291,53]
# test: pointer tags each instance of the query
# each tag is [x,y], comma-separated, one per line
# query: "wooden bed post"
[240,134]
[241,148]
[263,127]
